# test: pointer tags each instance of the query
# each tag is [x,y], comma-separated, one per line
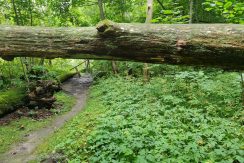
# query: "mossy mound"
[10,99]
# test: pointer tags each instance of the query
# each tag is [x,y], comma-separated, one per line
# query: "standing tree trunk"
[149,11]
[101,11]
[148,20]
[102,17]
[88,67]
[15,13]
[191,12]
[31,59]
[30,12]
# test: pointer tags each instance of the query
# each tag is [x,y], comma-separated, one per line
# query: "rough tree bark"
[219,45]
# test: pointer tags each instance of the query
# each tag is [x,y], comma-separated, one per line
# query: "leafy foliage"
[173,12]
[231,10]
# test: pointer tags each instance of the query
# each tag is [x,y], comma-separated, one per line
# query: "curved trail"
[23,152]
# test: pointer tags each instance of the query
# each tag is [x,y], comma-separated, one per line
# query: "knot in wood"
[180,44]
[104,25]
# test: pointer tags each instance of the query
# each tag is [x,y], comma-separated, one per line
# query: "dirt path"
[23,152]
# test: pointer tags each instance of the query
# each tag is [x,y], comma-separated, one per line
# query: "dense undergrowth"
[14,77]
[190,116]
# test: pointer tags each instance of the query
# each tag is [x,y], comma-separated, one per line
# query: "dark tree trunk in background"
[15,13]
[161,4]
[218,45]
[30,12]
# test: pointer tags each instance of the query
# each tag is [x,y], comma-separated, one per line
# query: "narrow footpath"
[23,152]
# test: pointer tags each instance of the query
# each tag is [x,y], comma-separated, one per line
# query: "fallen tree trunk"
[218,45]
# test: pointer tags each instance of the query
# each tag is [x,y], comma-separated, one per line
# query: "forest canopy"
[86,12]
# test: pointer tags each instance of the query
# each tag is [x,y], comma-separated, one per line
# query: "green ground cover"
[189,116]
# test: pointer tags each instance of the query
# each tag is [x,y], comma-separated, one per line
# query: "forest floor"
[23,152]
[189,116]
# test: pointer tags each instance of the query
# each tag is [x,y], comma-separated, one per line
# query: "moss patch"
[11,98]
[65,76]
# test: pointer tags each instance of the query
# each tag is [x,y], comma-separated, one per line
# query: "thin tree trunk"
[191,12]
[88,67]
[15,12]
[114,67]
[25,73]
[30,11]
[29,64]
[41,63]
[149,11]
[148,20]
[101,11]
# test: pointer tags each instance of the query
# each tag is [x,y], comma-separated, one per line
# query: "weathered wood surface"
[218,45]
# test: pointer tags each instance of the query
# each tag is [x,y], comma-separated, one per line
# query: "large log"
[218,45]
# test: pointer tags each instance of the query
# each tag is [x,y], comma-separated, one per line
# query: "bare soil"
[23,152]
[37,114]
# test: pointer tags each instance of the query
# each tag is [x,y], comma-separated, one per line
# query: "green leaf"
[227,5]
[208,9]
[220,4]
[168,12]
[141,159]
